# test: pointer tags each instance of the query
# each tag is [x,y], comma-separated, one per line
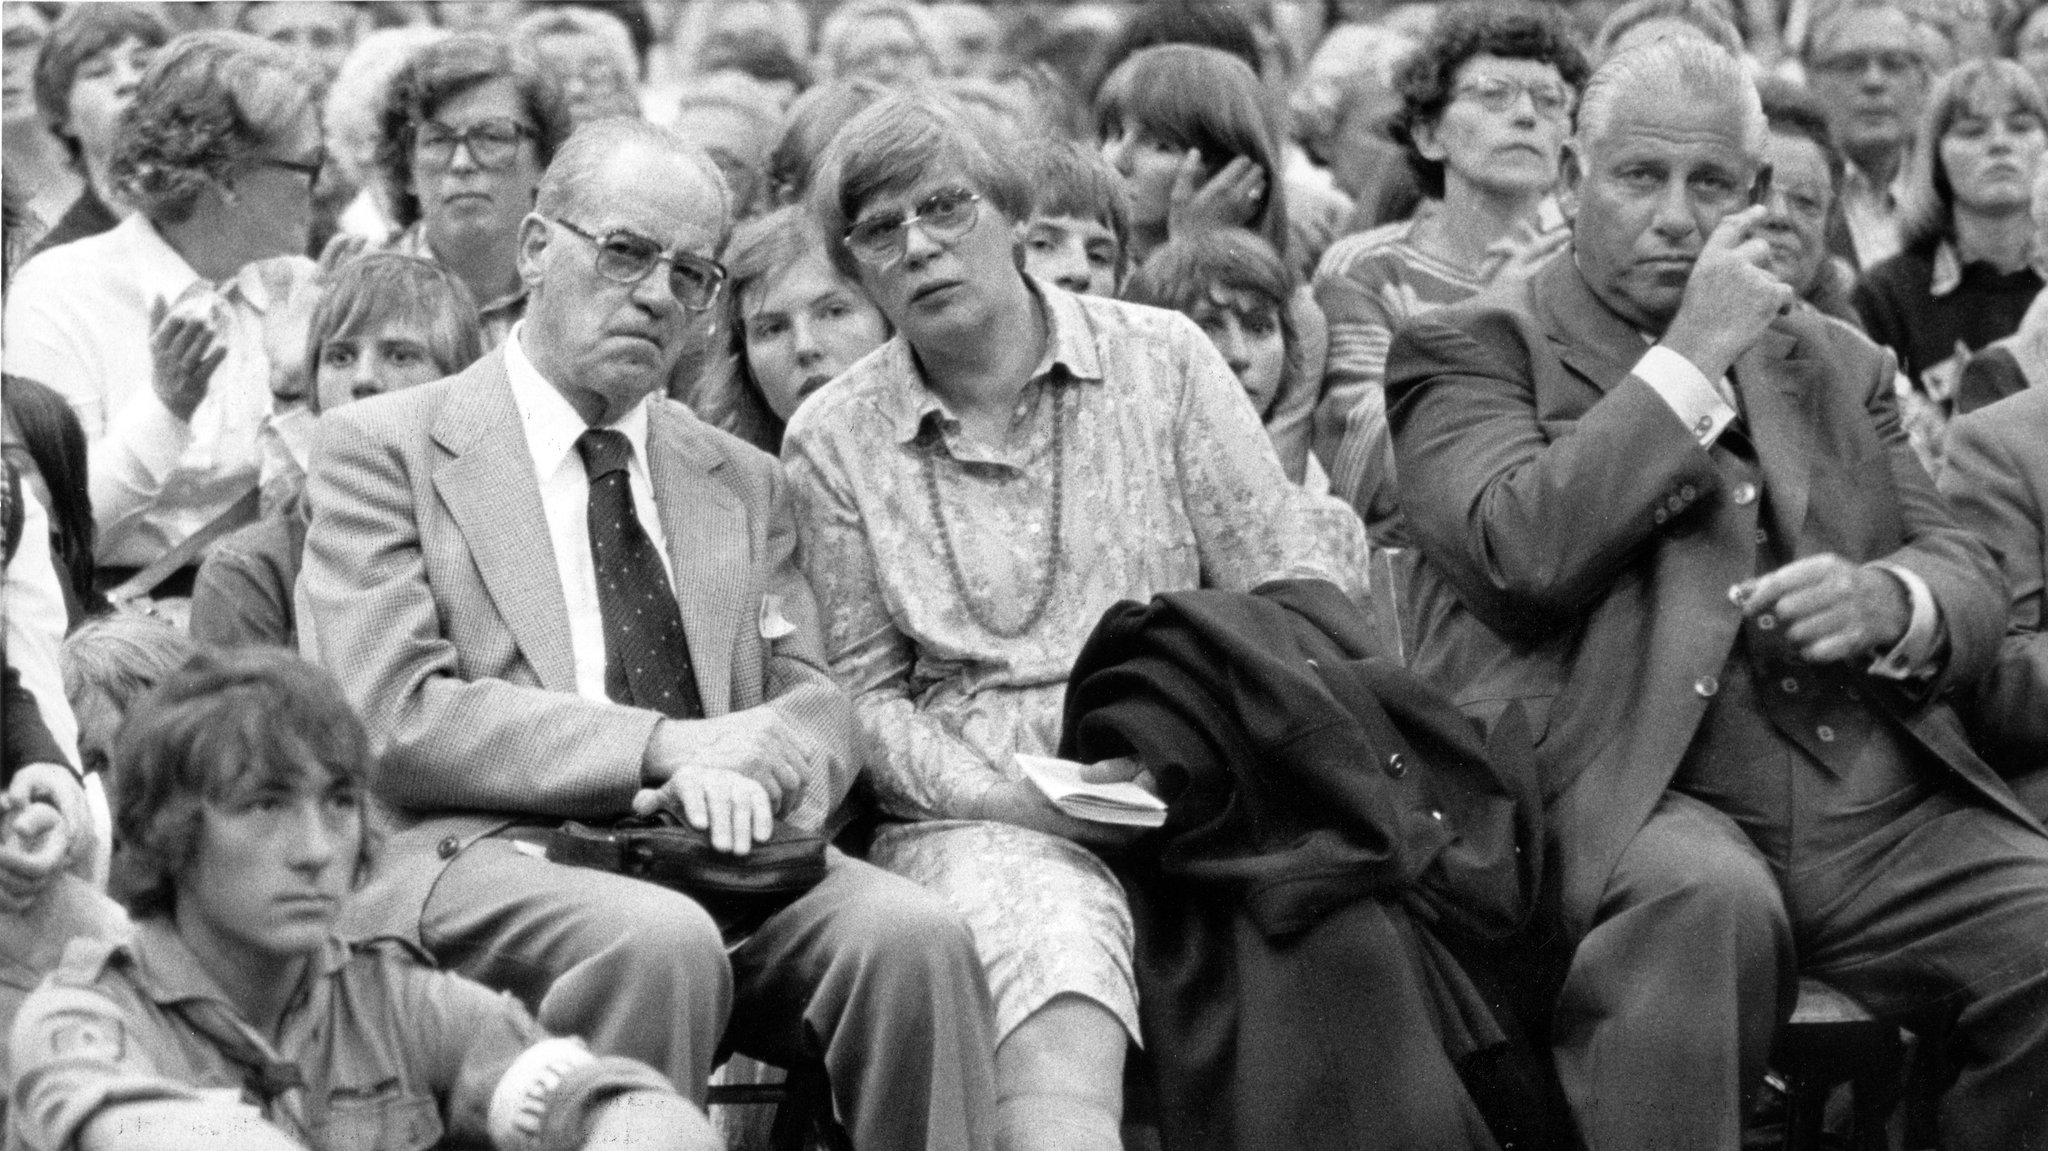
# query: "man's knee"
[890,925]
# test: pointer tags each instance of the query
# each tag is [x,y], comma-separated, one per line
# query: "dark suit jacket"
[433,594]
[1996,479]
[1579,545]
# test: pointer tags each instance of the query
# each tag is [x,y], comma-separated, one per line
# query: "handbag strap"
[242,511]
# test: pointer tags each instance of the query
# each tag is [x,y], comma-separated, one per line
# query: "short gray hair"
[577,164]
[1682,64]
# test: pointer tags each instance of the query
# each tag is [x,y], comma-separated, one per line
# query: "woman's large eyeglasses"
[1552,100]
[945,215]
[626,258]
[492,143]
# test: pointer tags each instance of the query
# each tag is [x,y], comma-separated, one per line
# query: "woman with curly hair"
[1486,105]
[155,330]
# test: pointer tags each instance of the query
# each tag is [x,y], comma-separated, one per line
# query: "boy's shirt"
[379,1051]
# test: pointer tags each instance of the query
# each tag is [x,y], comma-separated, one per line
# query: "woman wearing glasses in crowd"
[155,330]
[973,496]
[469,125]
[1486,106]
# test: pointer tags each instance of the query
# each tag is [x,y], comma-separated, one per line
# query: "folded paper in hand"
[1123,804]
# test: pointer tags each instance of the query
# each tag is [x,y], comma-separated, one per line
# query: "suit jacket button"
[1826,733]
[1766,622]
[1660,515]
[1745,493]
[1688,493]
[1707,686]
[1396,766]
[448,847]
[1789,685]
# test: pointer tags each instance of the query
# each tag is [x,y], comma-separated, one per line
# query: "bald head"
[619,157]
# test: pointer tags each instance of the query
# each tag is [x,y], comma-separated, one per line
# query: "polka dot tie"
[646,655]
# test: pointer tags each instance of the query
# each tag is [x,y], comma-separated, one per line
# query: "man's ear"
[1424,135]
[1571,173]
[534,237]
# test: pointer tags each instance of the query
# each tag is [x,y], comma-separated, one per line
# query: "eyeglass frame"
[672,256]
[464,139]
[902,226]
[1515,90]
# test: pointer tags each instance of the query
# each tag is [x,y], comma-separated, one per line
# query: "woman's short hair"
[585,20]
[1183,271]
[441,72]
[85,31]
[1713,19]
[892,144]
[1428,77]
[373,289]
[118,658]
[1927,210]
[1793,111]
[1191,97]
[209,102]
[225,721]
[355,100]
[1071,179]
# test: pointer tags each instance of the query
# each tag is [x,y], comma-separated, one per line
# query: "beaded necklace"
[1056,554]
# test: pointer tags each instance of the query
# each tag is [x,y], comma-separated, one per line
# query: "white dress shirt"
[77,319]
[552,427]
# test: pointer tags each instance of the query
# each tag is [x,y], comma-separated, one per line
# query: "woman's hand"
[184,351]
[1020,802]
[1228,199]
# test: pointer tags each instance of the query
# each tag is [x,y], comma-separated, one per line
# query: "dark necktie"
[646,656]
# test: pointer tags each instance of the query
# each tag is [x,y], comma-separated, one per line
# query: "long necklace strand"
[1055,554]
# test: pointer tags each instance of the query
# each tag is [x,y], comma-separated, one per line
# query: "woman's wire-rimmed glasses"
[627,257]
[492,143]
[1550,99]
[945,215]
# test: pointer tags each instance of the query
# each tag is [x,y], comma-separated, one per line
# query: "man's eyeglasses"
[626,258]
[1552,100]
[310,169]
[947,214]
[1892,64]
[491,143]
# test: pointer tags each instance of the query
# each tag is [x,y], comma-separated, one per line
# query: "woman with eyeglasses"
[972,496]
[468,127]
[156,330]
[1486,105]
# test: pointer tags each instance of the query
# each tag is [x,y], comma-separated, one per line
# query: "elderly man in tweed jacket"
[465,587]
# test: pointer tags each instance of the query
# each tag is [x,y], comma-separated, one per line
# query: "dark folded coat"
[1332,820]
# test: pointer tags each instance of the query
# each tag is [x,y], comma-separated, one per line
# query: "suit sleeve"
[1531,520]
[1996,496]
[448,741]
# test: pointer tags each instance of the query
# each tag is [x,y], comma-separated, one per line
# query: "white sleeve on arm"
[1693,397]
[1913,655]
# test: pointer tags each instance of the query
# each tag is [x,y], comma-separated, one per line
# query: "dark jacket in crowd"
[1333,823]
[1902,311]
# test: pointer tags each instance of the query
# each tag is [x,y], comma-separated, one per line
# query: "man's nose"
[312,839]
[1235,352]
[1675,217]
[1117,152]
[462,159]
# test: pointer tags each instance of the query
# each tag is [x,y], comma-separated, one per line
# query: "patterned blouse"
[1134,465]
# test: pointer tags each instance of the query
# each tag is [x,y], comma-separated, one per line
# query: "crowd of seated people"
[802,435]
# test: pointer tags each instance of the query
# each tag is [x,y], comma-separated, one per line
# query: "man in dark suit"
[1688,534]
[1995,477]
[555,594]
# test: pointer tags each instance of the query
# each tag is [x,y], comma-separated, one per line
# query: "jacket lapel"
[1593,342]
[487,484]
[708,548]
[1776,392]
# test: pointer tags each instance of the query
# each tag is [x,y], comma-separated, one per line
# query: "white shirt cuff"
[1692,396]
[1914,653]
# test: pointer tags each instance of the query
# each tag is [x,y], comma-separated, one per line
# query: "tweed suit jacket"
[1578,545]
[436,602]
[1996,478]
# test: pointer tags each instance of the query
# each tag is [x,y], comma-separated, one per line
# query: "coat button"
[448,847]
[1826,733]
[1707,686]
[1745,493]
[1766,622]
[1762,536]
[1660,515]
[1688,493]
[1396,766]
[1789,685]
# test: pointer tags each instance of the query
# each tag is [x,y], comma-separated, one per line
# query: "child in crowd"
[1078,234]
[233,1010]
[793,321]
[385,321]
